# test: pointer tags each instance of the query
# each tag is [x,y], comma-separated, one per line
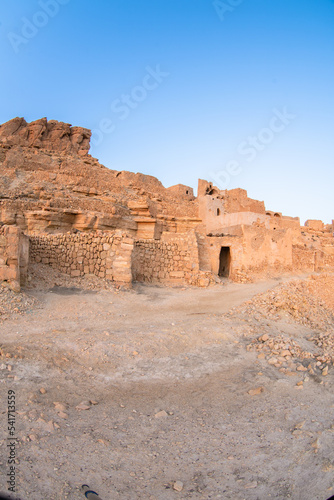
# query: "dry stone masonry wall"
[107,255]
[174,258]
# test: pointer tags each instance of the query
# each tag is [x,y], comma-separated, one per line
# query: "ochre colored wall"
[107,255]
[174,258]
[14,248]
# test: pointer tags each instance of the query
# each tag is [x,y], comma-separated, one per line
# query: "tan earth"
[169,393]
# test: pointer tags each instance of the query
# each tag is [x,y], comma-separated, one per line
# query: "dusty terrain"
[137,391]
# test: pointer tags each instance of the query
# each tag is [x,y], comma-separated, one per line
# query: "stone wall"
[313,259]
[317,225]
[236,200]
[14,250]
[107,255]
[173,259]
[304,258]
[115,256]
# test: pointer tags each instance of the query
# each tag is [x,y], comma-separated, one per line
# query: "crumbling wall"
[236,200]
[328,258]
[216,223]
[107,255]
[313,259]
[267,248]
[304,258]
[14,249]
[277,220]
[182,191]
[254,251]
[173,259]
[317,225]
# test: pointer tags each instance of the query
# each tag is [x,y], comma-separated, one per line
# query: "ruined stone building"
[61,207]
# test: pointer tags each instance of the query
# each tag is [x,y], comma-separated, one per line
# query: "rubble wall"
[107,255]
[14,248]
[313,259]
[172,259]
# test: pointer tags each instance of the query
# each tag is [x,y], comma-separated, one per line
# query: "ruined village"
[161,345]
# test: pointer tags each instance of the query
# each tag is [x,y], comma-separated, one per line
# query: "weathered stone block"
[177,274]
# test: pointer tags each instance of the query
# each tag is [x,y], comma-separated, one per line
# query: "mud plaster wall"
[107,255]
[255,250]
[14,249]
[212,212]
[264,248]
[171,259]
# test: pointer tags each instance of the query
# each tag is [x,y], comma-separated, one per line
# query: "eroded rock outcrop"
[50,183]
[43,134]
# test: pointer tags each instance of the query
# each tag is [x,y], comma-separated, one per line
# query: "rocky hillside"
[49,182]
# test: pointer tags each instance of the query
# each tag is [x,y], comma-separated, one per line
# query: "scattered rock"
[60,406]
[251,485]
[63,415]
[316,444]
[178,486]
[300,425]
[255,392]
[161,414]
[84,405]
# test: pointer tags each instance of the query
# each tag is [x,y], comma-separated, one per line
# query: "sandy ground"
[151,387]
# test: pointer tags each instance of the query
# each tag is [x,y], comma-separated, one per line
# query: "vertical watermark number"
[11,441]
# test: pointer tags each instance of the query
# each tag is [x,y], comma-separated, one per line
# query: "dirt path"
[170,374]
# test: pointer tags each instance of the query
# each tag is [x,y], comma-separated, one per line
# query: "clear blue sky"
[186,89]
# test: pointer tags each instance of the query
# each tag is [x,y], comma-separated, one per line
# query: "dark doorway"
[224,262]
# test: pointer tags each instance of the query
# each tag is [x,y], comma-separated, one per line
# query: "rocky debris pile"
[306,302]
[44,277]
[287,355]
[12,303]
[242,277]
[203,279]
[325,342]
[278,350]
[294,300]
